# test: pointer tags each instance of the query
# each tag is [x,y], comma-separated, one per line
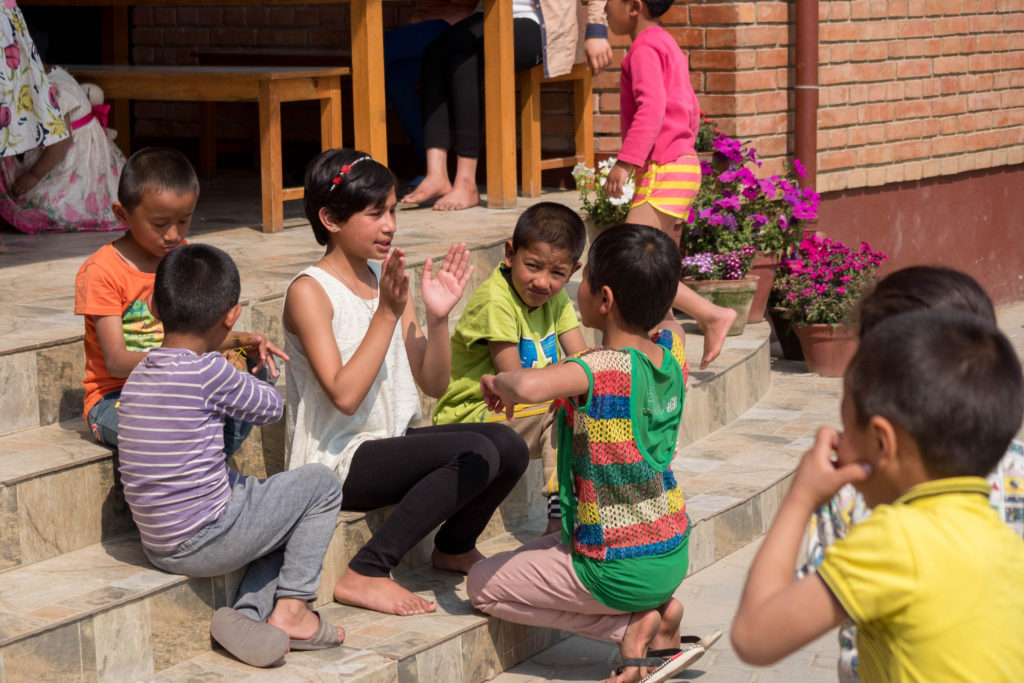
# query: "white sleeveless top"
[316,430]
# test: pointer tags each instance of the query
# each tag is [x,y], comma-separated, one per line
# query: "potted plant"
[819,287]
[766,213]
[723,278]
[601,210]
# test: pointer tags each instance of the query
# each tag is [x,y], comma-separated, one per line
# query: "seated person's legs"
[452,475]
[282,526]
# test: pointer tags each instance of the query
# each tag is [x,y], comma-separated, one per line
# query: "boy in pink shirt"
[660,118]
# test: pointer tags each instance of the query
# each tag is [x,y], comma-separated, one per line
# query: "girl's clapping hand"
[394,282]
[441,291]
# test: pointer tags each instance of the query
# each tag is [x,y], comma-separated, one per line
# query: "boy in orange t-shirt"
[157,195]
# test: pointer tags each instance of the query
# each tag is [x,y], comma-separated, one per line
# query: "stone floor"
[37,274]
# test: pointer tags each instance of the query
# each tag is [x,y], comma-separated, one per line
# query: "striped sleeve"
[238,394]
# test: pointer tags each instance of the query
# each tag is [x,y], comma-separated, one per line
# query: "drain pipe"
[806,114]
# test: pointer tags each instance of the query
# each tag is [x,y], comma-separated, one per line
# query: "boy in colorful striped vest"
[623,547]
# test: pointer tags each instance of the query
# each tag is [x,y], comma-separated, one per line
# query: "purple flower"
[799,168]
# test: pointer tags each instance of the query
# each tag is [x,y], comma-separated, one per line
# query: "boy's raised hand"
[820,475]
[394,282]
[441,291]
[251,345]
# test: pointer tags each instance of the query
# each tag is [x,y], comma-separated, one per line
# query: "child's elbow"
[748,647]
[345,405]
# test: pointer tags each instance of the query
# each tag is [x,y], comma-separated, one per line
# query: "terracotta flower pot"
[827,349]
[764,268]
[734,294]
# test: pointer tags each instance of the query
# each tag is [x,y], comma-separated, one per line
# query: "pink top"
[660,115]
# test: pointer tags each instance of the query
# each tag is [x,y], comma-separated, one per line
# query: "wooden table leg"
[330,117]
[499,104]
[270,158]
[368,105]
[117,47]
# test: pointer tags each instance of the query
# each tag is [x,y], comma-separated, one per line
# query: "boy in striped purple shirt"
[196,516]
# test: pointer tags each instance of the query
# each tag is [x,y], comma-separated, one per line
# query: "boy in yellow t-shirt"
[520,317]
[932,579]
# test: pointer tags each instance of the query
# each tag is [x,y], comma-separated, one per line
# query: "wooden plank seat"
[268,86]
[533,164]
[272,56]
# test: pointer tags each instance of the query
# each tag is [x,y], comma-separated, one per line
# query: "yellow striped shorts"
[669,188]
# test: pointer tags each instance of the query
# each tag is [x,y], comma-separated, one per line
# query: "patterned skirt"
[669,188]
[29,114]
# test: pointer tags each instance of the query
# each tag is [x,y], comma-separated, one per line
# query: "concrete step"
[58,493]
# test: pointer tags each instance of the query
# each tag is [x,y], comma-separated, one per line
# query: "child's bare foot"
[455,563]
[716,328]
[554,525]
[294,617]
[380,594]
[668,633]
[430,187]
[643,627]
[462,196]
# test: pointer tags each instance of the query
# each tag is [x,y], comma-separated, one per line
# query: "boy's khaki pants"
[537,427]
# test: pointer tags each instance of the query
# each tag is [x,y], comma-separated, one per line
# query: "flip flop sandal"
[326,636]
[673,665]
[687,643]
[639,663]
[255,643]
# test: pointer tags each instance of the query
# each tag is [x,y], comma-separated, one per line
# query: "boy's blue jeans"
[281,526]
[102,419]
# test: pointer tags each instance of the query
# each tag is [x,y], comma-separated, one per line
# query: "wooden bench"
[267,86]
[533,164]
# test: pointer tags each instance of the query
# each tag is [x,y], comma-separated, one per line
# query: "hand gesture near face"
[394,283]
[442,290]
[820,474]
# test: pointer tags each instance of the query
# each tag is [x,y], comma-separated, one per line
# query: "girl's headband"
[344,171]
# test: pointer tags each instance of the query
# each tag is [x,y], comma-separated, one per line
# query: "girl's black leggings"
[456,474]
[451,76]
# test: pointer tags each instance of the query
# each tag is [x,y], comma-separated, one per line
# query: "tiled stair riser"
[50,512]
[43,384]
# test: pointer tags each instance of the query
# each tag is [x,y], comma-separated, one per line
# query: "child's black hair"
[155,169]
[366,183]
[553,224]
[948,377]
[656,8]
[641,266]
[917,287]
[195,286]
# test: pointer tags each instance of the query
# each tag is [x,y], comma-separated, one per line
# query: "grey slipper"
[255,643]
[326,636]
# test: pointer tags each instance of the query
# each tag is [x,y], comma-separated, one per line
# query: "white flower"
[580,171]
[605,166]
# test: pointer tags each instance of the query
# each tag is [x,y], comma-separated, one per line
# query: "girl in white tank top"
[358,353]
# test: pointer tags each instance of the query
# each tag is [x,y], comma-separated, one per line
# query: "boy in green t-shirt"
[520,317]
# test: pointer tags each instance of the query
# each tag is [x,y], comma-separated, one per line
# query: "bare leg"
[292,616]
[715,320]
[463,193]
[668,633]
[436,182]
[455,563]
[554,525]
[380,594]
[642,629]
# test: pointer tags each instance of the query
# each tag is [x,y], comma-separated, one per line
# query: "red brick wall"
[910,89]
